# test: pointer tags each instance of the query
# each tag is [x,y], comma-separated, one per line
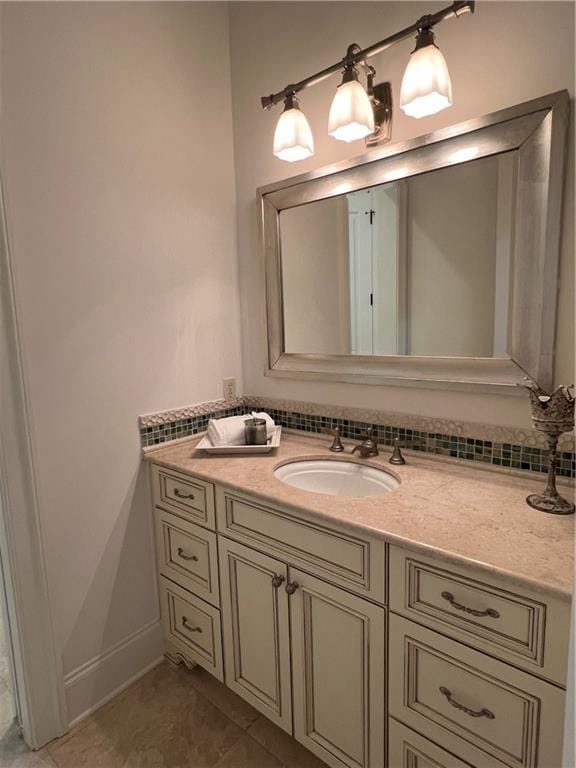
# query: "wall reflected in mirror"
[419,266]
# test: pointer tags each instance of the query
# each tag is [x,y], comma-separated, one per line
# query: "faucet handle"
[336,446]
[397,457]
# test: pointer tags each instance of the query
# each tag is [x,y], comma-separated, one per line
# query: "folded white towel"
[230,431]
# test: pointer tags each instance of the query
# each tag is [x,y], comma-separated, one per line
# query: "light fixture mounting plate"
[381,97]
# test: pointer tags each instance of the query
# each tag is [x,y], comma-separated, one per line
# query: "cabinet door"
[256,630]
[338,673]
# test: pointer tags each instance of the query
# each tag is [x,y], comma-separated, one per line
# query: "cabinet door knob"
[291,587]
[472,611]
[277,581]
[467,711]
[189,627]
[182,554]
[178,492]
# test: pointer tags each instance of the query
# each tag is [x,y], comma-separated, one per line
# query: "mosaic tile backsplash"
[154,434]
[525,454]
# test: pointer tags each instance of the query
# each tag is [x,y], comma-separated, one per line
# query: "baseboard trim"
[94,683]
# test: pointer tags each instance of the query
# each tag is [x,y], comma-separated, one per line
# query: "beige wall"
[315,277]
[506,53]
[451,253]
[117,160]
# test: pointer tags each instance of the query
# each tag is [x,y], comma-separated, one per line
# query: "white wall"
[506,53]
[117,159]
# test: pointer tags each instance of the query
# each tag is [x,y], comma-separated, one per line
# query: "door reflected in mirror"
[421,266]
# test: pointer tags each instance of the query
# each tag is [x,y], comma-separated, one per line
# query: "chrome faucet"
[368,447]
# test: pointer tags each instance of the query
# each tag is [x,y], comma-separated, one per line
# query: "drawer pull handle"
[183,556]
[472,611]
[188,627]
[472,712]
[277,581]
[291,587]
[178,492]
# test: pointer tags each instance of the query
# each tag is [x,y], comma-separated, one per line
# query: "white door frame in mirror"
[537,131]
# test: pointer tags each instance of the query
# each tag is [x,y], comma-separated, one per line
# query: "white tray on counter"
[273,442]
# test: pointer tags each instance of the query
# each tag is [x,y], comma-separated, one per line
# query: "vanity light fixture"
[359,112]
[351,114]
[426,87]
[293,138]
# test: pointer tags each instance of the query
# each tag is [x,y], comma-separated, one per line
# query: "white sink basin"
[336,477]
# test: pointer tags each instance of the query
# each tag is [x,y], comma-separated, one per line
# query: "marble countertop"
[451,509]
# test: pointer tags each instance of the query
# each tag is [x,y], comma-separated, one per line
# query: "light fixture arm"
[370,75]
[356,55]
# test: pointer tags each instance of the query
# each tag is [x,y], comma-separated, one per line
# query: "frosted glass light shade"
[351,115]
[293,138]
[426,87]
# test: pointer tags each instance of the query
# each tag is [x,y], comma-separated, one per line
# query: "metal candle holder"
[553,415]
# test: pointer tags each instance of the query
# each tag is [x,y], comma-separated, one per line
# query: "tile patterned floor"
[171,718]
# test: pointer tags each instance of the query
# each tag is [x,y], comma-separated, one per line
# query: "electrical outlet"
[229,389]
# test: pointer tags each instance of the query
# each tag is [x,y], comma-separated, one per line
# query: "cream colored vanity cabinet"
[257,630]
[339,675]
[507,621]
[187,557]
[354,561]
[306,653]
[185,496]
[408,749]
[477,666]
[340,639]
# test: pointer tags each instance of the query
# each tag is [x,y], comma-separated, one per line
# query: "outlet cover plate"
[229,389]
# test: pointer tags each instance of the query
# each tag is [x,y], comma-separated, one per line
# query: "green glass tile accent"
[456,446]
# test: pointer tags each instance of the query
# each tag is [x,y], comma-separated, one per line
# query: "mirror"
[431,262]
[419,266]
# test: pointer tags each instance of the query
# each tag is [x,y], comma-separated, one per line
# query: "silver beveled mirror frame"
[537,131]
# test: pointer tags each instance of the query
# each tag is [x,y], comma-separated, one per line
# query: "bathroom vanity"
[423,627]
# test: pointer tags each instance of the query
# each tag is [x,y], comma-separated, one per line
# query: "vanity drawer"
[355,562]
[408,749]
[191,627]
[525,629]
[184,495]
[439,687]
[188,555]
